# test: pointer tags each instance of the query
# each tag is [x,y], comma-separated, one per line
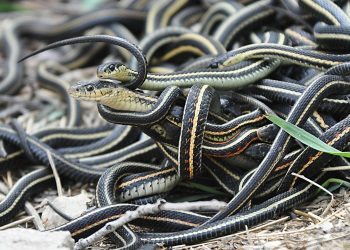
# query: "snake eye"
[89,88]
[214,65]
[111,67]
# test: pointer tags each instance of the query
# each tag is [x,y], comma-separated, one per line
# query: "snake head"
[92,90]
[115,71]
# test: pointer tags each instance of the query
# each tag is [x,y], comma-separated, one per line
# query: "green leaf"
[305,137]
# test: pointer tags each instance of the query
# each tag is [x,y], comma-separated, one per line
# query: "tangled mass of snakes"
[183,89]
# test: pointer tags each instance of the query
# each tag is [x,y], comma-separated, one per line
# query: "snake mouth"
[81,94]
[73,92]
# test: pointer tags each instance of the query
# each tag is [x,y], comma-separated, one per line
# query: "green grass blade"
[6,6]
[339,183]
[305,137]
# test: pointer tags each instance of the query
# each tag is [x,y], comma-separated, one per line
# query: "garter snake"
[242,20]
[43,28]
[50,80]
[235,77]
[24,187]
[94,220]
[288,93]
[151,110]
[216,127]
[335,30]
[77,143]
[320,88]
[229,78]
[234,223]
[308,58]
[176,42]
[110,40]
[216,14]
[337,136]
[39,151]
[159,16]
[189,165]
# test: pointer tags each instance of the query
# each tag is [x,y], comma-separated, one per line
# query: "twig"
[55,174]
[316,217]
[249,238]
[331,216]
[145,210]
[16,223]
[3,152]
[30,124]
[3,188]
[306,215]
[326,240]
[347,210]
[9,179]
[338,168]
[319,186]
[36,218]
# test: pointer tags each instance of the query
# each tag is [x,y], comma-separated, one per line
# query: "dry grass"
[331,231]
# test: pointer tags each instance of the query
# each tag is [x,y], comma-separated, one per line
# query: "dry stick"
[145,210]
[331,216]
[17,222]
[36,218]
[319,186]
[312,215]
[55,174]
[9,179]
[326,240]
[306,215]
[3,152]
[249,238]
[338,168]
[30,125]
[3,187]
[347,210]
[302,230]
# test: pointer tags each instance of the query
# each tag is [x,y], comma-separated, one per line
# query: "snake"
[188,94]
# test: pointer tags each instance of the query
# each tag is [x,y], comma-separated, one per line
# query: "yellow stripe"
[165,171]
[280,53]
[194,129]
[321,10]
